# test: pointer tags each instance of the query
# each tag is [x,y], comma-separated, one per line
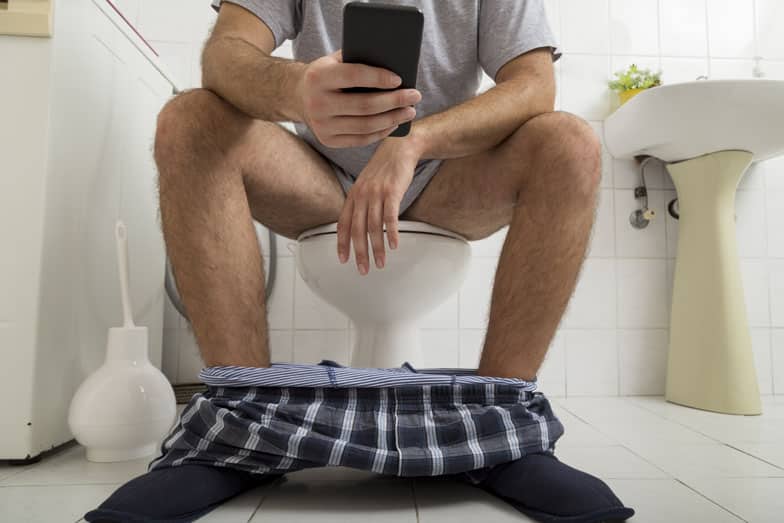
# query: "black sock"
[549,491]
[175,494]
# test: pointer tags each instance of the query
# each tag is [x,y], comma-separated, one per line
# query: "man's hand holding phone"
[350,119]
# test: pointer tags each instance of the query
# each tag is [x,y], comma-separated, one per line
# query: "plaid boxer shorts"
[402,422]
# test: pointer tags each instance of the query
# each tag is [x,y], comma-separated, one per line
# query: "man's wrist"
[298,74]
[417,141]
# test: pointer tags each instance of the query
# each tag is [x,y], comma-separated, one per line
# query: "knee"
[566,152]
[196,125]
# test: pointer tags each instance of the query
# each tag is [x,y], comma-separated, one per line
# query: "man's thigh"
[290,186]
[473,196]
[476,195]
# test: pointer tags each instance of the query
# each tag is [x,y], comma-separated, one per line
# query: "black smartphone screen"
[383,35]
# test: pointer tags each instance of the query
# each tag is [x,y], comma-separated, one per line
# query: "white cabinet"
[77,121]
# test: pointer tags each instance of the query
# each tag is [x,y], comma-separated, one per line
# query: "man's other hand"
[341,119]
[374,201]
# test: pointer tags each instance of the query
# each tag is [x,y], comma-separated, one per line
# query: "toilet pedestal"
[385,306]
[387,345]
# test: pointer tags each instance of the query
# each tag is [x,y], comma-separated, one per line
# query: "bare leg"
[542,181]
[218,168]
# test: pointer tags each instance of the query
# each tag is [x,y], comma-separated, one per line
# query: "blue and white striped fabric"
[400,422]
[331,374]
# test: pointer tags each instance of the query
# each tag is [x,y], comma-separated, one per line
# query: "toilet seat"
[403,226]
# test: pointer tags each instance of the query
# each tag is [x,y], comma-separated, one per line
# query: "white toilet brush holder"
[124,409]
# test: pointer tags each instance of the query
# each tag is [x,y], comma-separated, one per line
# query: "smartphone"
[384,35]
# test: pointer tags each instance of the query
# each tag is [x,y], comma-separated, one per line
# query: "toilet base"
[386,345]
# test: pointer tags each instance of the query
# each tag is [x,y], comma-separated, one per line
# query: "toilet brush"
[124,409]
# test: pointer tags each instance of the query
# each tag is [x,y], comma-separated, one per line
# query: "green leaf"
[634,78]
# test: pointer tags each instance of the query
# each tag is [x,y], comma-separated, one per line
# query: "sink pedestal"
[710,364]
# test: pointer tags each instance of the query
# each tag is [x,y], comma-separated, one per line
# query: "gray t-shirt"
[460,39]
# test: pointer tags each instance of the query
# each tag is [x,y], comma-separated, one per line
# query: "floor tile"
[771,452]
[610,462]
[773,407]
[769,427]
[757,500]
[596,410]
[70,467]
[743,428]
[452,502]
[664,408]
[644,433]
[333,474]
[577,433]
[630,424]
[6,471]
[667,501]
[239,509]
[716,460]
[382,501]
[633,443]
[56,503]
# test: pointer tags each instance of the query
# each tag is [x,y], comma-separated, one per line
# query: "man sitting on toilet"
[470,164]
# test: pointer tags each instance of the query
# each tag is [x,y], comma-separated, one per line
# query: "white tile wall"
[585,26]
[642,293]
[552,374]
[731,28]
[634,27]
[777,293]
[591,362]
[475,294]
[763,359]
[770,13]
[603,234]
[471,347]
[676,70]
[441,347]
[311,346]
[683,28]
[593,304]
[613,338]
[756,284]
[775,219]
[607,172]
[584,85]
[777,359]
[642,360]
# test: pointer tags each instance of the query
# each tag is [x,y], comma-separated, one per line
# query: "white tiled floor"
[671,463]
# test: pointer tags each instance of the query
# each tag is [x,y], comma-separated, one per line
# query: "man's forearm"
[262,86]
[484,121]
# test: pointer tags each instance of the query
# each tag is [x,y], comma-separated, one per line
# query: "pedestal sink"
[707,133]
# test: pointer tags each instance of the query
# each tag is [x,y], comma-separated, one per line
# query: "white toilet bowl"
[385,305]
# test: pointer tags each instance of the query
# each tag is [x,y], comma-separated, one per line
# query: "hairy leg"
[542,181]
[218,169]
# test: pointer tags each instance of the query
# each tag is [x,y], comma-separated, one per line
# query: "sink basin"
[707,133]
[682,121]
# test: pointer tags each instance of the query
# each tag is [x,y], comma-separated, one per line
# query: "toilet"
[386,305]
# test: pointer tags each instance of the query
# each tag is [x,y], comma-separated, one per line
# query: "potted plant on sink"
[633,81]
